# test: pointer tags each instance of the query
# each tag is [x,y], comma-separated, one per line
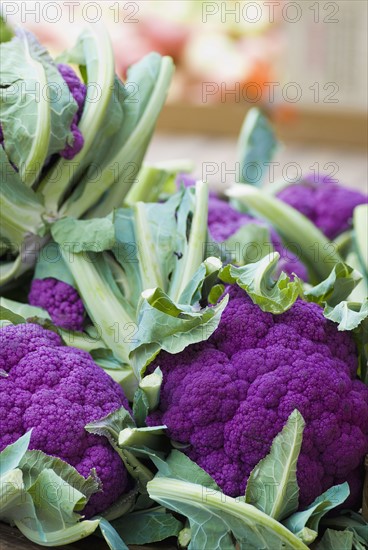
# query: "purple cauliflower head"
[78,90]
[60,300]
[57,390]
[327,204]
[227,398]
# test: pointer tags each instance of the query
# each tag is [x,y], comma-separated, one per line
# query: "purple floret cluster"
[227,398]
[328,205]
[78,90]
[60,300]
[57,390]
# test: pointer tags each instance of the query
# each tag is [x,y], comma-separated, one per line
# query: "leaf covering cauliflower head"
[57,390]
[228,397]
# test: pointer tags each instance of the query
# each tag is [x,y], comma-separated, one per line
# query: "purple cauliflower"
[57,390]
[60,300]
[328,205]
[224,221]
[78,91]
[227,398]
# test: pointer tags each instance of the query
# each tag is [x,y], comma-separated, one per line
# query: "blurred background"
[304,62]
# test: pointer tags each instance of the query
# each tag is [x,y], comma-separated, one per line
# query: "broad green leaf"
[348,315]
[311,516]
[93,50]
[248,245]
[122,506]
[202,282]
[349,520]
[19,312]
[11,493]
[21,209]
[35,462]
[43,495]
[25,118]
[189,251]
[272,485]
[148,82]
[110,427]
[84,235]
[336,540]
[256,279]
[7,316]
[111,536]
[179,466]
[257,145]
[50,263]
[11,456]
[217,521]
[125,252]
[147,526]
[140,407]
[61,102]
[171,330]
[337,287]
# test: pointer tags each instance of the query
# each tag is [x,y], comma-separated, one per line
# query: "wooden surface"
[337,126]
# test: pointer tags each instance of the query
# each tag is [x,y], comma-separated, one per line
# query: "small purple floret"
[61,300]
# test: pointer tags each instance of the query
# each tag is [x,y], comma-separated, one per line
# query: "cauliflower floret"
[60,300]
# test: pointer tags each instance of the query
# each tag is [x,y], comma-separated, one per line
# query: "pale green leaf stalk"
[151,386]
[66,535]
[38,152]
[194,253]
[151,275]
[103,307]
[137,142]
[257,144]
[150,437]
[101,72]
[315,250]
